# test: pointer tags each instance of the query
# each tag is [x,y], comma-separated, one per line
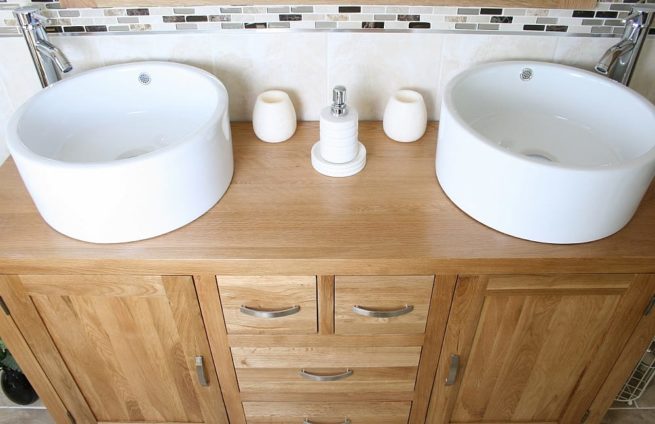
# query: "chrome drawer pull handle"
[382,314]
[306,421]
[334,377]
[258,313]
[453,370]
[200,370]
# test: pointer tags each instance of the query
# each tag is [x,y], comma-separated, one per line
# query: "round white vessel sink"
[125,152]
[545,152]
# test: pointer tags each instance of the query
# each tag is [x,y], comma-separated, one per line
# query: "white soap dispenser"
[339,153]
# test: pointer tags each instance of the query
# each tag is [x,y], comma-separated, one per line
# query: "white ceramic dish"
[125,152]
[338,170]
[545,152]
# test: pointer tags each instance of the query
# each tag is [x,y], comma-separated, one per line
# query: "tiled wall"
[371,63]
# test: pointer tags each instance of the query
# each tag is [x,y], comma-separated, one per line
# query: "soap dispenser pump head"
[339,107]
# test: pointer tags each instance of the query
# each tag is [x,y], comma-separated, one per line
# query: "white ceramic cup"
[405,117]
[274,118]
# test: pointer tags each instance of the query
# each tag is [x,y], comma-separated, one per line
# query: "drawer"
[326,380]
[322,357]
[327,412]
[269,305]
[384,305]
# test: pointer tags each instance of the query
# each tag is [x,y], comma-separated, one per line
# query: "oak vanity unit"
[305,299]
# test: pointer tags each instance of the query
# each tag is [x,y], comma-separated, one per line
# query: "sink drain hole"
[144,78]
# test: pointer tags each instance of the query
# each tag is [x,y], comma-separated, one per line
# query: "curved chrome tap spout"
[48,49]
[49,61]
[619,61]
[612,56]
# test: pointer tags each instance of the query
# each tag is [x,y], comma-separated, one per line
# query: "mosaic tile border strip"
[604,20]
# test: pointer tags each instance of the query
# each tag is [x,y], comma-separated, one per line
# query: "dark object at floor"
[17,388]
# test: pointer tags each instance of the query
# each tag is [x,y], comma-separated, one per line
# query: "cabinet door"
[135,347]
[527,349]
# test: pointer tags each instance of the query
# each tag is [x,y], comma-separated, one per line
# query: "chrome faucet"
[618,62]
[50,62]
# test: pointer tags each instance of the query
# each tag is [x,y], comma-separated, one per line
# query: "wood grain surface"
[382,293]
[442,296]
[280,217]
[362,380]
[38,379]
[325,295]
[268,293]
[322,357]
[529,355]
[210,305]
[322,412]
[132,356]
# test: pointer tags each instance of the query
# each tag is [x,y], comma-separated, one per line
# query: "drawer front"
[322,357]
[385,305]
[269,304]
[327,380]
[327,412]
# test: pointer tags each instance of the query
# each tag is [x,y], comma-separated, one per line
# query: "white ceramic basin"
[125,152]
[564,156]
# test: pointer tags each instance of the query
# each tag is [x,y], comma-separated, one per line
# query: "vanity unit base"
[305,299]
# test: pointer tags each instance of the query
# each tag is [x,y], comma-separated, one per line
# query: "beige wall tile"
[190,48]
[17,70]
[643,80]
[84,53]
[6,108]
[372,66]
[251,63]
[582,52]
[18,82]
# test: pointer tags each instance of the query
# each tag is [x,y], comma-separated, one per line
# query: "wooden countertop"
[279,216]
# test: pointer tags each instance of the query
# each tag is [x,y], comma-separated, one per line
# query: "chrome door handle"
[200,370]
[359,310]
[333,377]
[259,313]
[453,370]
[306,421]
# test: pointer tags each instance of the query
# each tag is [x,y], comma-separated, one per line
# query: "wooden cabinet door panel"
[131,345]
[528,354]
[525,344]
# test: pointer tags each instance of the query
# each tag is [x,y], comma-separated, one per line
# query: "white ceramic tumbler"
[274,118]
[405,117]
